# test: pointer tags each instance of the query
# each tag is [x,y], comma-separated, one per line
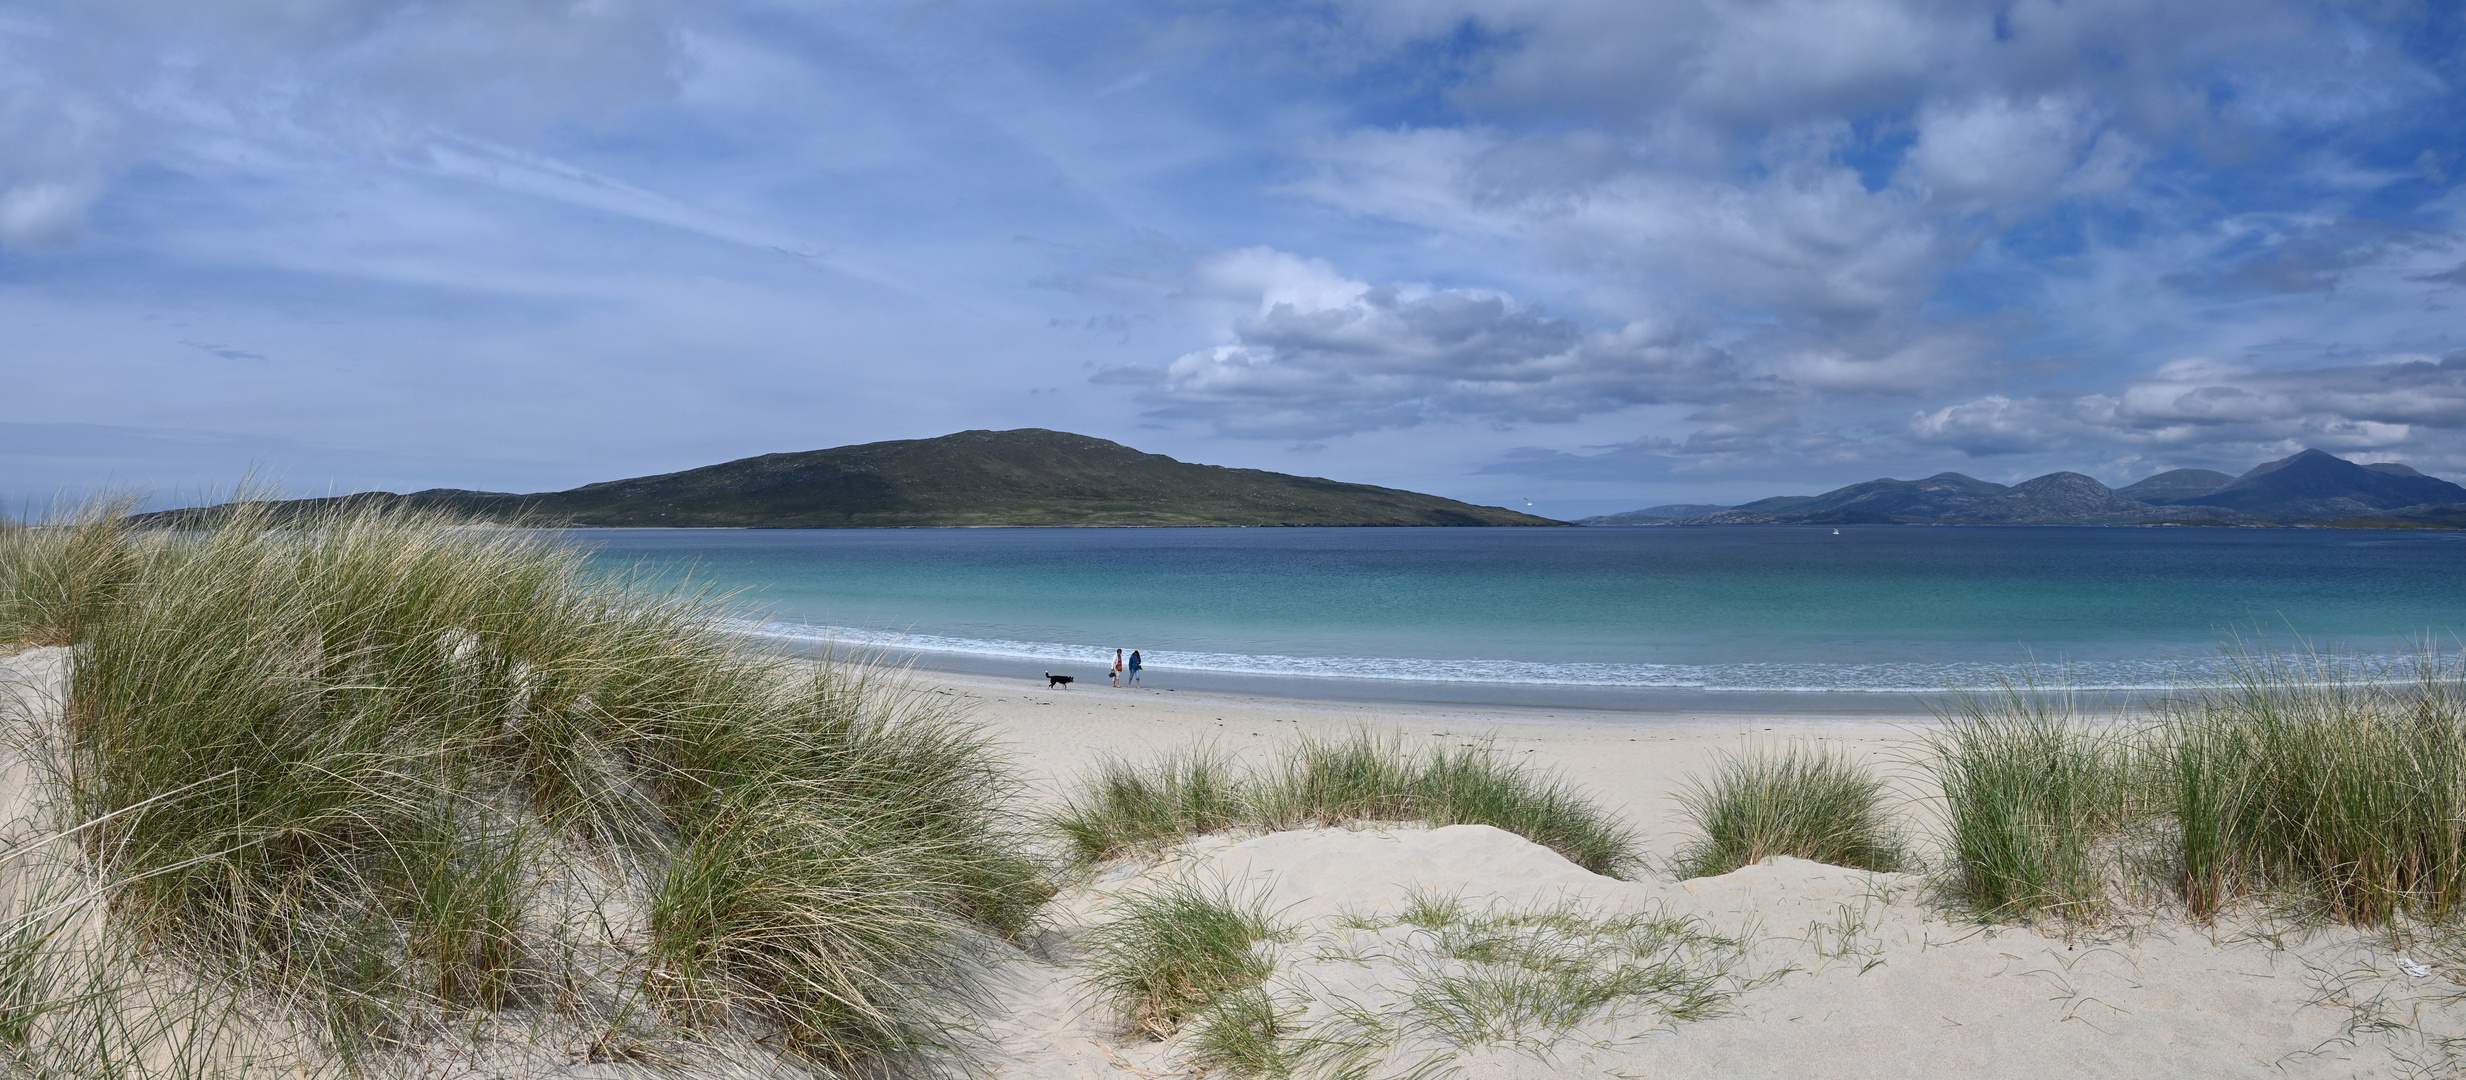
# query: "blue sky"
[1595,254]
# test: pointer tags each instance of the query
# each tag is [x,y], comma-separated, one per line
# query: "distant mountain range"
[2313,487]
[1025,477]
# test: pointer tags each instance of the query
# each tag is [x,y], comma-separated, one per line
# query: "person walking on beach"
[1134,667]
[1117,668]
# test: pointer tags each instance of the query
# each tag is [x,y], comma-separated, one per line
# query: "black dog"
[1052,680]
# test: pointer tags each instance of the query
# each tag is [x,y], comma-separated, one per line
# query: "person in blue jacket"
[1134,667]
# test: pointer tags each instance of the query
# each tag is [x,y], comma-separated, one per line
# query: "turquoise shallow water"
[1746,609]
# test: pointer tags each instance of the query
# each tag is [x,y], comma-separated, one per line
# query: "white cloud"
[2225,412]
[2383,400]
[1996,154]
[1803,240]
[1871,199]
[1317,354]
[1902,359]
[1995,425]
[1263,279]
[1774,62]
[1745,152]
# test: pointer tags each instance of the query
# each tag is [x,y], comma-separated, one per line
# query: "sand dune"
[1835,972]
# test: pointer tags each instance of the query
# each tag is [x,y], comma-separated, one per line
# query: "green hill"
[1025,477]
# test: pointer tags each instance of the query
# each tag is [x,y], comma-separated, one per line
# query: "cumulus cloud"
[1995,425]
[2385,400]
[1877,199]
[1321,354]
[1831,165]
[1994,154]
[2224,412]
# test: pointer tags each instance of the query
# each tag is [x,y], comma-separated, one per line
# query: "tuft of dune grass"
[1246,1033]
[1166,800]
[2319,785]
[58,577]
[325,758]
[1363,777]
[1171,952]
[1810,802]
[1470,978]
[2296,775]
[2033,793]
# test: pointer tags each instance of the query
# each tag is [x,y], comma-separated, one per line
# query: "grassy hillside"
[1026,477]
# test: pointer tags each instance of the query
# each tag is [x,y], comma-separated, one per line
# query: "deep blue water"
[1875,608]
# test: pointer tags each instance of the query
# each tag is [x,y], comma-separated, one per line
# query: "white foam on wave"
[1901,678]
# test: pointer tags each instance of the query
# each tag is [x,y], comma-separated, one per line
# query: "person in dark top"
[1134,667]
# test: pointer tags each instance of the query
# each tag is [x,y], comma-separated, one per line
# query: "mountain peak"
[2319,484]
[2307,455]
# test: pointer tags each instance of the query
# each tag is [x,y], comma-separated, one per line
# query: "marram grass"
[1810,802]
[326,758]
[57,577]
[2293,776]
[1245,1033]
[1173,950]
[1171,798]
[1364,777]
[2307,783]
[2032,795]
[1470,978]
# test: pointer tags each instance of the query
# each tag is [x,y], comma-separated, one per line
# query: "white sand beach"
[1841,972]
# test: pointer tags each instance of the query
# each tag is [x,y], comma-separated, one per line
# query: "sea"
[1780,619]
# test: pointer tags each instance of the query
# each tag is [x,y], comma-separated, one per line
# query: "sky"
[1595,254]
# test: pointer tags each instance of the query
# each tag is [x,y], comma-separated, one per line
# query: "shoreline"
[1587,700]
[1578,703]
[1517,714]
